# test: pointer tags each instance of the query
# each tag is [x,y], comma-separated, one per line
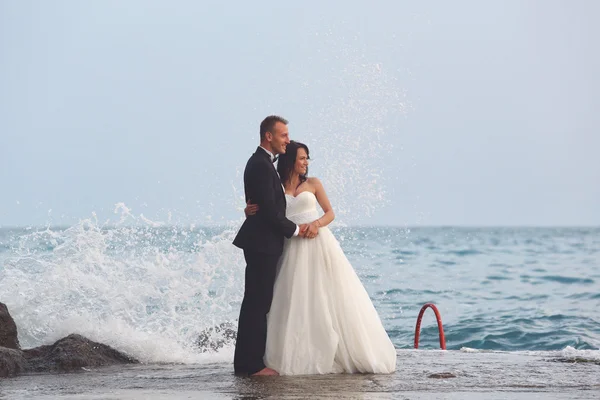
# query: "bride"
[321,319]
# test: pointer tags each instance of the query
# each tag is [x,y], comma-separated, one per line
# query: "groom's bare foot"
[266,372]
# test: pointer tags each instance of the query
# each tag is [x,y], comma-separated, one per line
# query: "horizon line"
[405,226]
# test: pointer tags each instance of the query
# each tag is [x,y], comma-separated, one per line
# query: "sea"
[520,309]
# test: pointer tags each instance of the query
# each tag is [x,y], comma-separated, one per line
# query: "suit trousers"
[252,325]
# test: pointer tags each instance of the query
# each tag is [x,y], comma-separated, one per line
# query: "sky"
[462,113]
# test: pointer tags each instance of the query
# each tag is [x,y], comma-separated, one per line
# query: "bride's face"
[301,165]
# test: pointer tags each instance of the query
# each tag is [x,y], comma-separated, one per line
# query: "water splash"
[348,109]
[351,147]
[145,290]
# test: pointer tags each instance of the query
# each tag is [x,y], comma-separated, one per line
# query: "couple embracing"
[304,310]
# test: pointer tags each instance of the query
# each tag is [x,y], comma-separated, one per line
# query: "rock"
[73,353]
[442,375]
[11,362]
[68,354]
[8,329]
[212,339]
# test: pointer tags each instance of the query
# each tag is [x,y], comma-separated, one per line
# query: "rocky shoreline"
[69,354]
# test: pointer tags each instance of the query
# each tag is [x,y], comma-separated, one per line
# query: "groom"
[261,238]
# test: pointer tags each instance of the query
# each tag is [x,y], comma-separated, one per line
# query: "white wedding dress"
[321,319]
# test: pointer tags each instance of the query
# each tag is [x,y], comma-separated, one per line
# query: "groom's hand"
[303,229]
[250,209]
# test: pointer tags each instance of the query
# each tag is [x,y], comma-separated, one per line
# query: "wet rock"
[442,375]
[212,339]
[8,329]
[68,354]
[73,353]
[12,362]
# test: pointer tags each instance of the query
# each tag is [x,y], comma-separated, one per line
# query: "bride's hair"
[285,165]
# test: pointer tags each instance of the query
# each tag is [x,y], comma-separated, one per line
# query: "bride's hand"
[312,231]
[250,209]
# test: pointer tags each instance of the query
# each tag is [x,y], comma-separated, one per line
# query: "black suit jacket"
[264,231]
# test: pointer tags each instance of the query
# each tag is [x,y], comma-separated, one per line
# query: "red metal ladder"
[439,322]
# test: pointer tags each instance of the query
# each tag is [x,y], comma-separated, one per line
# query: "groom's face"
[280,138]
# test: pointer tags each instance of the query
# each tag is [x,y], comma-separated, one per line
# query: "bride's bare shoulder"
[313,181]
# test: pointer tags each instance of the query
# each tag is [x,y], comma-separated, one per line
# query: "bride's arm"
[323,202]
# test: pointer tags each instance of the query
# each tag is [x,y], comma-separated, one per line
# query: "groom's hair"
[268,124]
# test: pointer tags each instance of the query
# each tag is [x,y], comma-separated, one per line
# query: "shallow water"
[571,373]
